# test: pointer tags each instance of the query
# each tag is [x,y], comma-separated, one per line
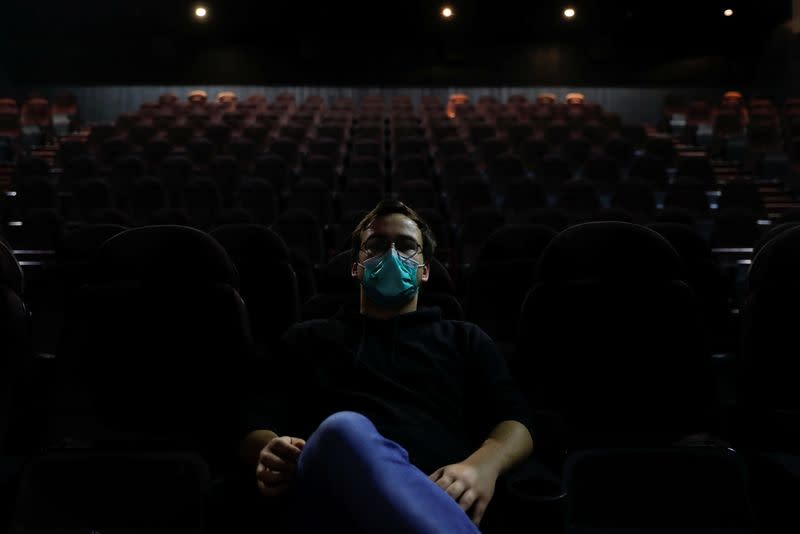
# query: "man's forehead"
[395,224]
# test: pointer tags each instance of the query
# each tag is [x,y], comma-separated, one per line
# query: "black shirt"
[436,387]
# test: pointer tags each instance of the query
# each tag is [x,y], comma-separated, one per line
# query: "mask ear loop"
[361,341]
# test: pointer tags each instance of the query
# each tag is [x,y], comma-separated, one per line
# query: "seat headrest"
[514,242]
[676,215]
[10,270]
[608,251]
[778,262]
[440,280]
[174,254]
[689,244]
[251,243]
[773,232]
[296,216]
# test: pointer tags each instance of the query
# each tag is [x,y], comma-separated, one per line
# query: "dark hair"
[391,207]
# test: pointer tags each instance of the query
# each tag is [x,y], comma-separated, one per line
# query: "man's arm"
[471,483]
[499,409]
[509,443]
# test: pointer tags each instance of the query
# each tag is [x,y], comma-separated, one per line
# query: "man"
[388,418]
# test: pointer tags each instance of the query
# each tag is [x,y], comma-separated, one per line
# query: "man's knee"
[337,439]
[343,428]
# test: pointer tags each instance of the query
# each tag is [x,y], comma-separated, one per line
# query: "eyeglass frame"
[419,250]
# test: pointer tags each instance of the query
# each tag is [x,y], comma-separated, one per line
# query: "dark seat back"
[502,274]
[158,344]
[769,321]
[657,490]
[610,336]
[268,283]
[113,492]
[15,342]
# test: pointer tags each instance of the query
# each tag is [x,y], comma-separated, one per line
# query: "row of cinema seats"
[413,148]
[37,119]
[552,172]
[336,162]
[375,131]
[154,285]
[464,252]
[759,119]
[201,203]
[157,345]
[635,177]
[408,158]
[472,264]
[227,195]
[733,120]
[438,163]
[311,150]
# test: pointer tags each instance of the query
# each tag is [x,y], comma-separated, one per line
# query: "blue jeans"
[351,479]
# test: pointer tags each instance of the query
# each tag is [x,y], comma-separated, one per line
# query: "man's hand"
[277,463]
[471,485]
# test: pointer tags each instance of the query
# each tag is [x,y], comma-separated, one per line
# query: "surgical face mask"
[390,280]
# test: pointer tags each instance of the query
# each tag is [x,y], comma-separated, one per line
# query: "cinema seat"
[704,275]
[313,195]
[637,198]
[226,173]
[268,282]
[523,195]
[649,168]
[175,172]
[652,491]
[321,168]
[272,168]
[113,492]
[202,202]
[770,404]
[258,200]
[578,199]
[503,266]
[156,349]
[148,196]
[301,231]
[15,344]
[610,339]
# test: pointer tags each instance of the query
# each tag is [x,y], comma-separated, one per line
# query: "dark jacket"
[434,386]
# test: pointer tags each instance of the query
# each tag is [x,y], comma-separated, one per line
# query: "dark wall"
[634,104]
[621,43]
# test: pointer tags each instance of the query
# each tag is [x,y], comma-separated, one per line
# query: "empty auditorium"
[417,267]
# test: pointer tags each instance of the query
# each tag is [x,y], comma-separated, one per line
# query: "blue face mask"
[390,281]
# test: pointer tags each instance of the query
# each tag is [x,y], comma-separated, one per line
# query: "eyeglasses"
[378,245]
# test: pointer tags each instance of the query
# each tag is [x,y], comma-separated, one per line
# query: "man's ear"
[354,270]
[425,274]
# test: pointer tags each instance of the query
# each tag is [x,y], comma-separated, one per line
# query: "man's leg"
[348,474]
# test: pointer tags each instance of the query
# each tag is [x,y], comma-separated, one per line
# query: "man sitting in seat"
[387,418]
